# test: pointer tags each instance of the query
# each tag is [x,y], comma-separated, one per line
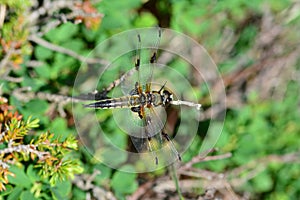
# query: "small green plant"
[46,159]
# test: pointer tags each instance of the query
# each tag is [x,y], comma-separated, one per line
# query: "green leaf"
[263,182]
[59,127]
[61,66]
[246,38]
[34,84]
[63,33]
[20,179]
[61,189]
[123,182]
[32,174]
[25,195]
[37,106]
[43,71]
[105,173]
[9,189]
[32,123]
[146,19]
[15,194]
[75,44]
[116,19]
[278,6]
[78,193]
[42,53]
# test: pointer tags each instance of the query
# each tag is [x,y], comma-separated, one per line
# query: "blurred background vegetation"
[255,45]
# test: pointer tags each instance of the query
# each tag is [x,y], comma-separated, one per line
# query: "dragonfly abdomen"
[122,102]
[143,100]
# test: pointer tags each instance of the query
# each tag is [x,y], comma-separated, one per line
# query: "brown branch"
[256,166]
[6,58]
[2,14]
[4,165]
[66,51]
[84,182]
[25,94]
[29,148]
[13,79]
[203,158]
[141,191]
[2,134]
[218,185]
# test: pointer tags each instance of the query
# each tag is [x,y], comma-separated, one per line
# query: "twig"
[2,14]
[84,182]
[4,165]
[13,79]
[2,134]
[203,158]
[59,101]
[49,7]
[6,58]
[236,182]
[141,191]
[26,95]
[25,148]
[34,63]
[64,18]
[68,52]
[255,167]
[199,173]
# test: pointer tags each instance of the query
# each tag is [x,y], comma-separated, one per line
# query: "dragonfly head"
[167,97]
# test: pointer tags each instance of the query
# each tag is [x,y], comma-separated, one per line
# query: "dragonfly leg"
[150,145]
[170,144]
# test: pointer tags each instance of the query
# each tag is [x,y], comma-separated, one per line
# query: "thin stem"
[175,178]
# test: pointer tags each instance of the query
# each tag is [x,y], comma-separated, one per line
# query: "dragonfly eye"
[167,97]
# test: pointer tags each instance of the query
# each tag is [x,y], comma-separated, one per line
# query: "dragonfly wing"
[139,143]
[166,145]
[146,53]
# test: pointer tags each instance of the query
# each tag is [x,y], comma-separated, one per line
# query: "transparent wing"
[151,133]
[130,122]
[159,121]
[157,140]
[145,57]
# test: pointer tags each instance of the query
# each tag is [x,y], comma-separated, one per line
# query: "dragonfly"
[143,101]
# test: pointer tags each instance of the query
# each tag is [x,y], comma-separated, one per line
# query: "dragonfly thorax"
[153,98]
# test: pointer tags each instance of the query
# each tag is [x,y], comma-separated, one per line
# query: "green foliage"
[258,129]
[146,20]
[19,5]
[42,53]
[263,182]
[52,161]
[115,19]
[246,39]
[13,34]
[63,33]
[124,183]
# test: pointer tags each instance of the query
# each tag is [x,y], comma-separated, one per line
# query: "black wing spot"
[153,58]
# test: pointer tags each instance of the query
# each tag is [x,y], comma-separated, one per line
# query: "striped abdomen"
[144,99]
[122,102]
